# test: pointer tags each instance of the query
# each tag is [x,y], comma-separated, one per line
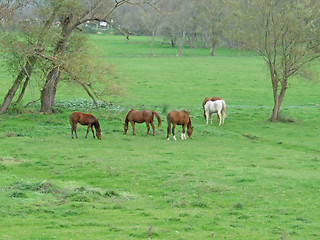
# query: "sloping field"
[248,179]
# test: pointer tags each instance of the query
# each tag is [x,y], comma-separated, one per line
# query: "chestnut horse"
[134,116]
[84,119]
[219,107]
[205,101]
[179,118]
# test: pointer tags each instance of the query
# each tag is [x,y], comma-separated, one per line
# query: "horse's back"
[82,118]
[214,106]
[147,114]
[74,117]
[139,116]
[144,116]
[178,117]
[221,103]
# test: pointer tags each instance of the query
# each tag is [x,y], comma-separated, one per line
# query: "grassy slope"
[249,179]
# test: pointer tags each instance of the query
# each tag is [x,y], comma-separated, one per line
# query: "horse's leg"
[211,118]
[168,130]
[74,129]
[148,128]
[219,114]
[207,117]
[89,125]
[133,127]
[173,127]
[152,125]
[92,132]
[183,134]
[218,118]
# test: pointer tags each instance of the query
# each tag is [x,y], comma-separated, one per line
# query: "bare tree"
[77,13]
[7,7]
[210,20]
[286,34]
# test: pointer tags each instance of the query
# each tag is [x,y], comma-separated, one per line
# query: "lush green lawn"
[248,179]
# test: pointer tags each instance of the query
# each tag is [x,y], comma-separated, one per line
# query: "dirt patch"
[10,161]
[251,137]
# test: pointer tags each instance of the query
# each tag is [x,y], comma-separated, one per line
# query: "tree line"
[43,39]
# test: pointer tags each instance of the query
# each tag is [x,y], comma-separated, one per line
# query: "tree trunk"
[173,44]
[48,93]
[152,43]
[275,111]
[49,90]
[212,50]
[26,71]
[23,90]
[180,45]
[278,98]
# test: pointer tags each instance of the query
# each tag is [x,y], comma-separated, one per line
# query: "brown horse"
[179,118]
[205,101]
[134,116]
[84,119]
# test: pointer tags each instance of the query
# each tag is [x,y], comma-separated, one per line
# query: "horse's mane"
[126,118]
[205,101]
[189,123]
[96,124]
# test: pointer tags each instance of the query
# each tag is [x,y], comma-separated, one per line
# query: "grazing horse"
[146,116]
[179,118]
[205,101]
[84,119]
[219,107]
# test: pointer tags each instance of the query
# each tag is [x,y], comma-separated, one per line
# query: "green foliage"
[248,179]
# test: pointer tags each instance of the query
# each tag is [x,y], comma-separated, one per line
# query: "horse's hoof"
[168,139]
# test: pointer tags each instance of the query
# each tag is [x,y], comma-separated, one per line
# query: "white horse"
[219,107]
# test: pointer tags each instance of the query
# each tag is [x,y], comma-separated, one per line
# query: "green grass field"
[248,179]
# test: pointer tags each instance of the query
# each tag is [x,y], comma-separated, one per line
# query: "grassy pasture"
[248,179]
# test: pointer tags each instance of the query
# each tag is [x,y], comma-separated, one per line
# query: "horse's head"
[98,133]
[189,131]
[125,127]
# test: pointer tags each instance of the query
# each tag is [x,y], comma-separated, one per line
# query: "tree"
[74,15]
[64,18]
[210,20]
[176,22]
[7,7]
[286,33]
[20,52]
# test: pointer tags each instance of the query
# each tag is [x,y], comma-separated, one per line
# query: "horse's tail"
[189,125]
[71,120]
[158,117]
[224,107]
[169,125]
